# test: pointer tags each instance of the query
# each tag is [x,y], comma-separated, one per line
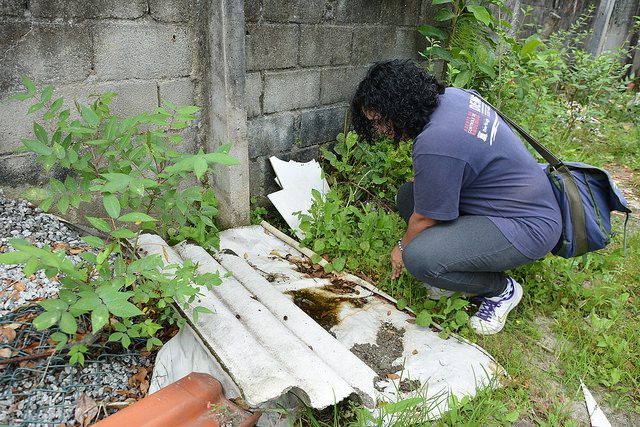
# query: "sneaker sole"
[518,293]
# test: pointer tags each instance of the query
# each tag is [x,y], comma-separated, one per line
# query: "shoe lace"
[487,308]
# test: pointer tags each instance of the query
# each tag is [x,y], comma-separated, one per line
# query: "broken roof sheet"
[297,181]
[268,345]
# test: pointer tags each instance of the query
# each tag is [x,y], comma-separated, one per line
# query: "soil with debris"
[381,355]
[46,390]
[324,304]
[407,386]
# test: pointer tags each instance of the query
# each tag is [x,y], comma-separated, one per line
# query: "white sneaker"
[493,311]
[437,293]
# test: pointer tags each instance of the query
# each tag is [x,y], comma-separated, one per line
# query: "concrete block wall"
[273,76]
[611,21]
[144,50]
[550,15]
[304,59]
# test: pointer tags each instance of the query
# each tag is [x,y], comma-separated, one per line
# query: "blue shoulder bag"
[586,195]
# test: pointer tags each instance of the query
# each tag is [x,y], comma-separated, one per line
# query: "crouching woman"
[479,203]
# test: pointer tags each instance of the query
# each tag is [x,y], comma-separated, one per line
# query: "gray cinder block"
[253,93]
[44,52]
[338,84]
[122,9]
[321,125]
[290,90]
[293,10]
[324,45]
[125,50]
[271,134]
[271,46]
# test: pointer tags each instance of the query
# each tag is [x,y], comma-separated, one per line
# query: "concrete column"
[621,24]
[601,26]
[226,113]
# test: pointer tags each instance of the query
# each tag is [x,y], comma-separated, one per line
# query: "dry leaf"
[144,387]
[414,352]
[138,377]
[13,325]
[60,246]
[19,286]
[627,126]
[76,251]
[7,335]
[5,352]
[412,321]
[86,410]
[389,313]
[165,253]
[393,376]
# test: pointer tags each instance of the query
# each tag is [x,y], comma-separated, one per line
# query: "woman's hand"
[397,265]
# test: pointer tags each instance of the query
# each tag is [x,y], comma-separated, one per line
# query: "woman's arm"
[417,224]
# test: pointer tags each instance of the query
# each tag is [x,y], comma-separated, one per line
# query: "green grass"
[577,322]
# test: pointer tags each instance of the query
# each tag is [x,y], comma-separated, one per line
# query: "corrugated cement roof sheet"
[283,325]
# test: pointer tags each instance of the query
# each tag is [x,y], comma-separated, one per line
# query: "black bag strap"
[576,207]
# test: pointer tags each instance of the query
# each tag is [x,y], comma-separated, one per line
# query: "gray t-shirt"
[468,161]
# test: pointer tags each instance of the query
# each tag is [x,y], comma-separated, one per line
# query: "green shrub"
[130,167]
[468,48]
[371,170]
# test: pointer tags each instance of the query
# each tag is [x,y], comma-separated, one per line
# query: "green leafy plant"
[573,101]
[358,236]
[468,46]
[128,165]
[258,213]
[373,171]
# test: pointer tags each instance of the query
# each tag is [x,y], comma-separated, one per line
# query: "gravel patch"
[46,391]
[21,219]
[47,394]
[381,355]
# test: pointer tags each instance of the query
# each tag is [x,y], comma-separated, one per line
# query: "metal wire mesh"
[45,391]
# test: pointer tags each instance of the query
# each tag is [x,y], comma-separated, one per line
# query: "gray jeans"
[468,254]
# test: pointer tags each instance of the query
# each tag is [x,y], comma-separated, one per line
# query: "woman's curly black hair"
[401,92]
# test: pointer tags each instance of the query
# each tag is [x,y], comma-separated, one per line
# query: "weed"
[258,213]
[130,167]
[468,48]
